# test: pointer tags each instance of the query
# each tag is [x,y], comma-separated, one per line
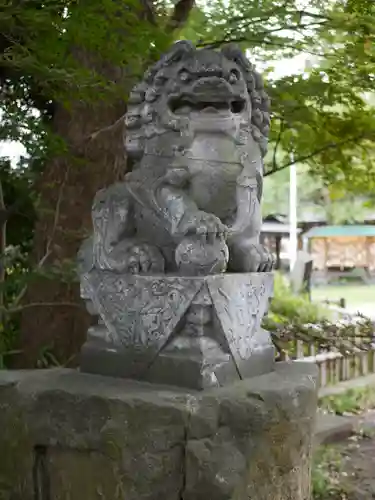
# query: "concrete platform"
[333,428]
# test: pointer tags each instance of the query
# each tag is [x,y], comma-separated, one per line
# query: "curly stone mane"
[142,104]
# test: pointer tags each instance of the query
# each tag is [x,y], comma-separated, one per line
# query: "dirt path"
[360,469]
[353,464]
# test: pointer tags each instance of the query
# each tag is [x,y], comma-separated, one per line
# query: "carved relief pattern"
[240,304]
[142,311]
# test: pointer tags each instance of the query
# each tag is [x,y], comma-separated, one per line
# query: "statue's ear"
[175,54]
[178,51]
[232,52]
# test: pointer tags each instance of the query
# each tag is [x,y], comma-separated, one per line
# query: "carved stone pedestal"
[66,435]
[195,332]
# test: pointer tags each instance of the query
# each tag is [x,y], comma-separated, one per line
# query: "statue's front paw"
[142,258]
[205,226]
[259,259]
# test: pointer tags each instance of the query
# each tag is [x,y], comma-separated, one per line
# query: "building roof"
[276,228]
[340,231]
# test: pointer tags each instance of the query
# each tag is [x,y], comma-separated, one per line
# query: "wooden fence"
[335,367]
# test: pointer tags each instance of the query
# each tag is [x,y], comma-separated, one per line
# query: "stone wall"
[72,436]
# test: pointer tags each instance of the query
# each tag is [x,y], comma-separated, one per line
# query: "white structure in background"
[300,270]
[293,239]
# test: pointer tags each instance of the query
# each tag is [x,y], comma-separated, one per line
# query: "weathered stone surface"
[16,445]
[264,439]
[68,436]
[197,126]
[195,332]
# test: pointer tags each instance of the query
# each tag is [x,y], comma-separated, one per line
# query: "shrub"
[287,307]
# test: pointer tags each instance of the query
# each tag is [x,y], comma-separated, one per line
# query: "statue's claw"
[250,258]
[259,259]
[205,225]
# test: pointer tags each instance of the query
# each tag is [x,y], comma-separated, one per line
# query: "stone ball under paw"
[196,257]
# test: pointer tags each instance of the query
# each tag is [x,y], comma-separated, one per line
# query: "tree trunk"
[67,188]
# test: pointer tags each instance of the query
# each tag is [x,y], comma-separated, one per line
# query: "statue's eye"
[234,76]
[184,75]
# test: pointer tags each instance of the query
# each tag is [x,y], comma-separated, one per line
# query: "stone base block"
[193,370]
[67,435]
[191,331]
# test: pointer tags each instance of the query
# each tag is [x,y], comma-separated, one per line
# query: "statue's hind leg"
[115,244]
[246,253]
[247,256]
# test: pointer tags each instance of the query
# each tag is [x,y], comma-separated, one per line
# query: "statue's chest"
[214,165]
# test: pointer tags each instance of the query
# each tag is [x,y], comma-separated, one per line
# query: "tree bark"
[67,188]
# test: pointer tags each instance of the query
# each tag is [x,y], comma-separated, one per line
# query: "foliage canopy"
[57,51]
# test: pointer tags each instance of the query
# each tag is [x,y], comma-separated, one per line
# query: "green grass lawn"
[355,295]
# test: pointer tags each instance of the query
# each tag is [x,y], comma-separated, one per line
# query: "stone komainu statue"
[174,270]
[197,127]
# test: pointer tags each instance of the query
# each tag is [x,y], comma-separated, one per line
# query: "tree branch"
[3,235]
[180,15]
[109,128]
[13,310]
[148,11]
[315,152]
[278,140]
[6,213]
[270,43]
[48,251]
[265,16]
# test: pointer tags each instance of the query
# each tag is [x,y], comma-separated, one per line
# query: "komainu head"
[189,85]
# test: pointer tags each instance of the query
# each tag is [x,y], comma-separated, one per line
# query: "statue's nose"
[213,87]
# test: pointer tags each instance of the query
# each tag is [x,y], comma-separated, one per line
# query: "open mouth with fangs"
[185,106]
